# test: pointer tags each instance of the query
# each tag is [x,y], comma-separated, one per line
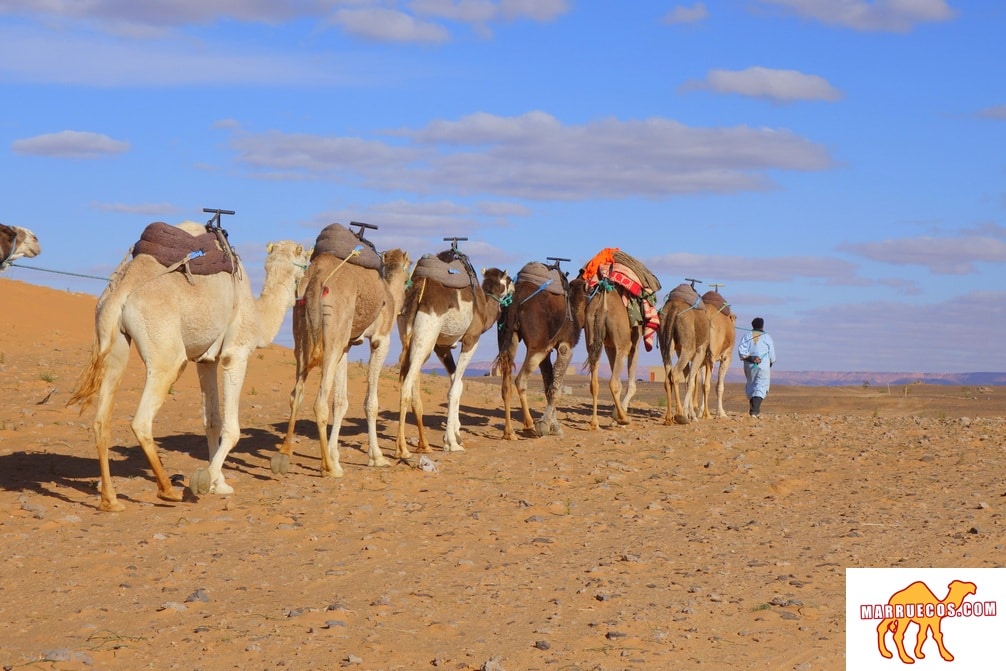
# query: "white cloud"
[146,209]
[761,82]
[87,60]
[683,14]
[388,25]
[879,15]
[70,144]
[941,255]
[535,156]
[996,112]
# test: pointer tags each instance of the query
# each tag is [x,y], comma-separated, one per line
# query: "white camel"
[174,317]
[17,242]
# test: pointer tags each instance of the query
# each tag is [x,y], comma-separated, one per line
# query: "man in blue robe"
[757,351]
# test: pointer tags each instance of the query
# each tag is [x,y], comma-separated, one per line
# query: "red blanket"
[624,277]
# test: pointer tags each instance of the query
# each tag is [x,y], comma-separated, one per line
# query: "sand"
[720,544]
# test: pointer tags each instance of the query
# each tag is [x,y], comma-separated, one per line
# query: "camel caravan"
[182,294]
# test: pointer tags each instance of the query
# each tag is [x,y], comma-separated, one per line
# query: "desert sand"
[720,544]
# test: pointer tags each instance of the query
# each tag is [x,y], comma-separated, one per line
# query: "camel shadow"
[48,474]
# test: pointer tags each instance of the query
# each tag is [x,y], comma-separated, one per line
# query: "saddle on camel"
[620,312]
[174,248]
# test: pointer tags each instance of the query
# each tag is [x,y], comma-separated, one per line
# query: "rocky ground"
[720,544]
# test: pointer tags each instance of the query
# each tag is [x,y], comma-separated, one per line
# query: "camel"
[173,318]
[915,598]
[608,324]
[548,317]
[343,304]
[435,317]
[722,338]
[684,332]
[15,243]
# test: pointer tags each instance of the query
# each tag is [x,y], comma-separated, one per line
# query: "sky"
[838,166]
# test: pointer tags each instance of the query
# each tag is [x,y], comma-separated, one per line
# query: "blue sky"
[838,165]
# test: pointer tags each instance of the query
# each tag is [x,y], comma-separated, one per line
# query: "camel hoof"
[111,507]
[541,428]
[332,473]
[555,429]
[681,419]
[379,461]
[280,464]
[171,496]
[453,448]
[221,488]
[200,482]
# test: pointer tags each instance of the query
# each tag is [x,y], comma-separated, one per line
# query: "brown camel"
[547,314]
[15,243]
[616,283]
[342,305]
[722,337]
[684,332]
[439,312]
[174,317]
[917,603]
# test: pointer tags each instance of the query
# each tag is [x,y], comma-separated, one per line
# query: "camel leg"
[506,388]
[899,640]
[331,466]
[668,390]
[882,630]
[705,380]
[938,637]
[452,436]
[207,373]
[321,403]
[616,360]
[595,388]
[234,365]
[379,346]
[632,364]
[296,398]
[677,378]
[563,356]
[721,378]
[420,348]
[920,639]
[160,377]
[114,365]
[531,361]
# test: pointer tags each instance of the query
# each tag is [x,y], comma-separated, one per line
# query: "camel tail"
[599,331]
[406,318]
[313,322]
[90,379]
[507,325]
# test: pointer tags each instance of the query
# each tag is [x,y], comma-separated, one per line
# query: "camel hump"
[173,246]
[341,242]
[547,277]
[684,293]
[715,299]
[451,268]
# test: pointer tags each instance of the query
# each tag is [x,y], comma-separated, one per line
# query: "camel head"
[396,260]
[957,590]
[23,243]
[496,283]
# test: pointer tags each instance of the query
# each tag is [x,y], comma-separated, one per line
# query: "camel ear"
[268,248]
[483,271]
[300,249]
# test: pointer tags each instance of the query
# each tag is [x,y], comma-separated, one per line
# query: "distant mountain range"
[807,378]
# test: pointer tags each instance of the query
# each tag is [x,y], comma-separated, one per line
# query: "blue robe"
[759,376]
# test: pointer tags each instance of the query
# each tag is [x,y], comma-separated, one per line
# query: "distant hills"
[807,378]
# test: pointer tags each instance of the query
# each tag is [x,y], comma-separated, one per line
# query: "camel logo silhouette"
[917,603]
